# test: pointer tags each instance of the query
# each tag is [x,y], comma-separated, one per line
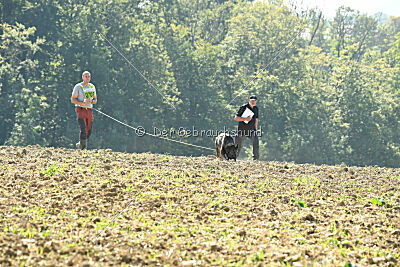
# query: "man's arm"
[239,114]
[94,101]
[74,100]
[256,123]
[237,118]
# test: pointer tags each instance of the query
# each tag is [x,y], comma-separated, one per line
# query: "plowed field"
[98,207]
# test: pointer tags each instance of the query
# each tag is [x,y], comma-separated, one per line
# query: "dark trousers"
[85,121]
[239,138]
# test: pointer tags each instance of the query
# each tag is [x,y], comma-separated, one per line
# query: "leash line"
[129,62]
[273,60]
[153,135]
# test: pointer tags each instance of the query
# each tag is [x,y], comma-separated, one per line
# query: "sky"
[371,7]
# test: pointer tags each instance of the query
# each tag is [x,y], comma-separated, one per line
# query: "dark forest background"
[331,96]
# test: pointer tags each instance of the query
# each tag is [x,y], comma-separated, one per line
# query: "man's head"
[86,76]
[252,100]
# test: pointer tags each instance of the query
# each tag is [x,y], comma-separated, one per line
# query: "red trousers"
[85,120]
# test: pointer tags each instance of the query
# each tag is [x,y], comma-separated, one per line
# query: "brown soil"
[97,207]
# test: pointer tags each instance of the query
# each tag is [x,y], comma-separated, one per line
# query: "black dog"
[225,146]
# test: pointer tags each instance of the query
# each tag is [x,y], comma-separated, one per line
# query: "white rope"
[273,60]
[129,62]
[141,131]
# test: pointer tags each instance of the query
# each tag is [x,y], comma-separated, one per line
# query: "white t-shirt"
[83,92]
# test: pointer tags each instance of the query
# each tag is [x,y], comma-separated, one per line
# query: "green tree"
[363,113]
[342,28]
[17,71]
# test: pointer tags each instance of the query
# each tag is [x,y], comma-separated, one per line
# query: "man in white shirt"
[84,96]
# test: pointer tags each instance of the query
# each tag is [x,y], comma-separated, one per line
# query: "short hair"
[85,73]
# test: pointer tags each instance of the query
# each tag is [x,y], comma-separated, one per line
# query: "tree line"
[327,88]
